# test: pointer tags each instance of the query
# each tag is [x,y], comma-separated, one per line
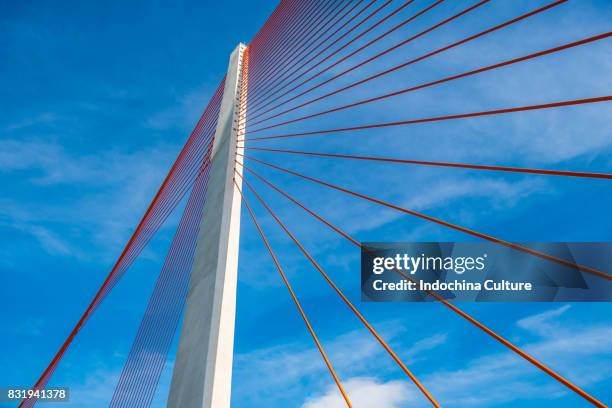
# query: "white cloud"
[303,369]
[579,352]
[364,392]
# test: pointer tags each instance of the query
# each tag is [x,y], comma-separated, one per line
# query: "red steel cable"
[294,41]
[172,198]
[140,390]
[448,79]
[410,19]
[279,76]
[363,320]
[97,299]
[364,20]
[377,56]
[295,300]
[124,390]
[349,42]
[447,304]
[270,23]
[204,168]
[297,20]
[346,23]
[283,33]
[444,118]
[138,380]
[322,21]
[190,153]
[41,383]
[444,164]
[301,42]
[143,242]
[158,339]
[265,30]
[282,30]
[258,106]
[93,306]
[538,254]
[412,61]
[177,185]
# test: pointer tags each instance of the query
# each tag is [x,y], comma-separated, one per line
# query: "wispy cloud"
[183,113]
[53,164]
[14,216]
[545,323]
[43,118]
[113,188]
[96,389]
[441,192]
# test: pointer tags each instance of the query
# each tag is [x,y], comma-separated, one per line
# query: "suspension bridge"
[311,73]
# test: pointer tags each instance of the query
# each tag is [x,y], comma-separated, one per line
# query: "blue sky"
[97,101]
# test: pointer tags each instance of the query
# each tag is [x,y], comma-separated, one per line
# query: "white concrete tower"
[203,368]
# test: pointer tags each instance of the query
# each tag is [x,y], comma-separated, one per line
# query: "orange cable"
[346,300]
[438,221]
[449,305]
[297,303]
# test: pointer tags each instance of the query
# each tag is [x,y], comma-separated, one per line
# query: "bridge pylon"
[202,372]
